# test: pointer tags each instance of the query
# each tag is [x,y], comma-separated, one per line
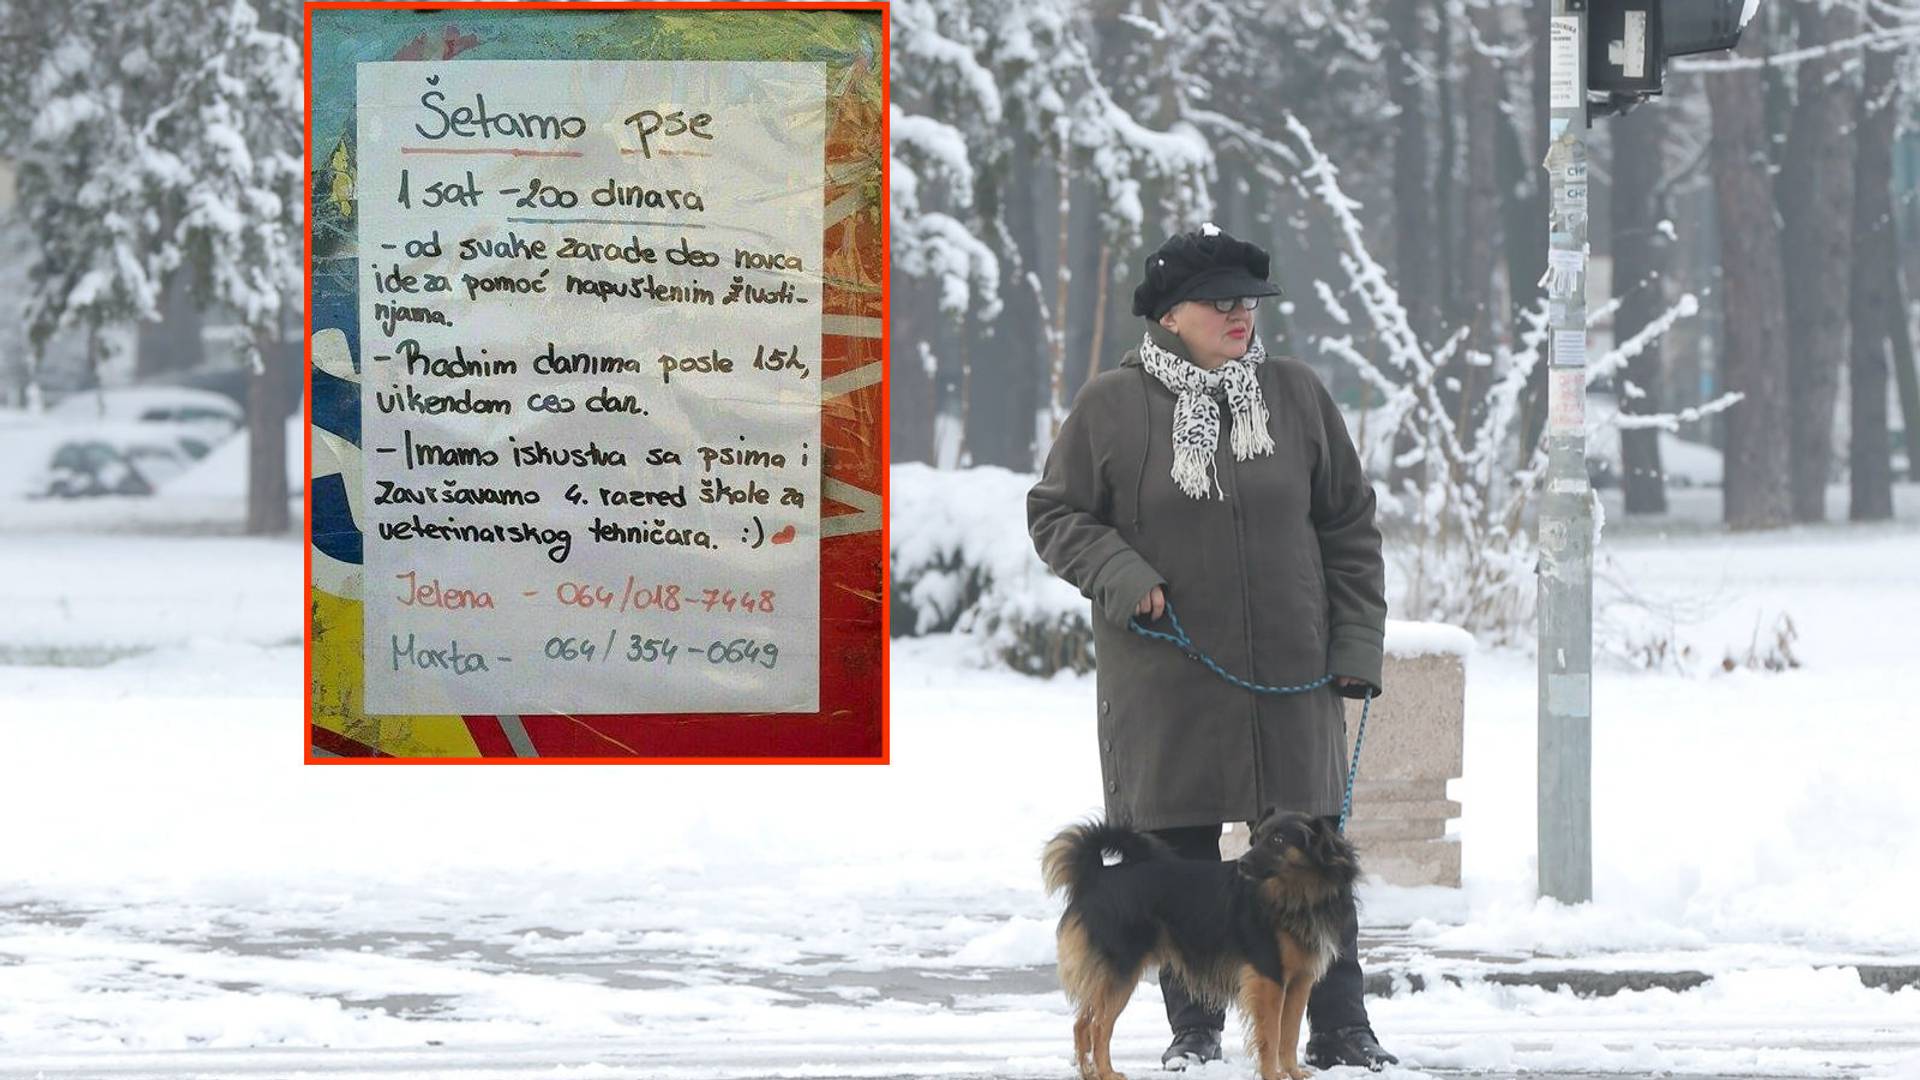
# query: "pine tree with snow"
[164,141]
[235,129]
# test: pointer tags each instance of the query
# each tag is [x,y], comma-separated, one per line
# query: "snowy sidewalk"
[1397,963]
[180,896]
[155,989]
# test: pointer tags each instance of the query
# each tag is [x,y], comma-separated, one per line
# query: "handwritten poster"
[590,315]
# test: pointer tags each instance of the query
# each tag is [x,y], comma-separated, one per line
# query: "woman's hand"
[1154,604]
[1346,681]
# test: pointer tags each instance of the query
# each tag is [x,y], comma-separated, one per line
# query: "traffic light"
[1630,41]
[1697,26]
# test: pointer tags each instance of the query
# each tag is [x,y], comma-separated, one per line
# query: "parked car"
[42,457]
[203,418]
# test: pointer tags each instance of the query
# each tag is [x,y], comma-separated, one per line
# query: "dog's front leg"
[1294,967]
[1260,1001]
[1298,989]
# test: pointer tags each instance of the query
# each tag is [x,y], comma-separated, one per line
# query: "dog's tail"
[1073,858]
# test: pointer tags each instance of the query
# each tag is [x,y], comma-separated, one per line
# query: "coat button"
[1106,707]
[1107,744]
[1113,786]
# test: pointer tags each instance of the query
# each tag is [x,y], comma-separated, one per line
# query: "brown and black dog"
[1259,931]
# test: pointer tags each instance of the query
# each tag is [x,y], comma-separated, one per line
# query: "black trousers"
[1336,1001]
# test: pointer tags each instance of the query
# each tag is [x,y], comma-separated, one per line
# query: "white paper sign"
[590,408]
[1563,59]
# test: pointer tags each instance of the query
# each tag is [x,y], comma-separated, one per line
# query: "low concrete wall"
[1414,742]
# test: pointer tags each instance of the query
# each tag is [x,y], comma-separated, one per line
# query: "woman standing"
[1205,474]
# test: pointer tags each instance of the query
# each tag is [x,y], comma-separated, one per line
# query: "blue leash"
[1185,644]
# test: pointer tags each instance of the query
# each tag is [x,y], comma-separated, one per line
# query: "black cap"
[1205,264]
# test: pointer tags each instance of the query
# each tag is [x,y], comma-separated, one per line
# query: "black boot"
[1348,1046]
[1192,1046]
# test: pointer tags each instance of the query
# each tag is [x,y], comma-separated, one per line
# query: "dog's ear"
[1328,847]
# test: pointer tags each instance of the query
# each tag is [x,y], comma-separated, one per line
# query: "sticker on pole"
[1566,270]
[1566,400]
[1564,63]
[1569,348]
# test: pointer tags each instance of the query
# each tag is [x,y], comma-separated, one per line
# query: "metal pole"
[1566,514]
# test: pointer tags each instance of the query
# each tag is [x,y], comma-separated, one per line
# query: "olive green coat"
[1280,582]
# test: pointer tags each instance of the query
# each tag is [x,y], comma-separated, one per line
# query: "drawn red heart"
[784,536]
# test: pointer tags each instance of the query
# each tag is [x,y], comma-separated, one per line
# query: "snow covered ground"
[180,896]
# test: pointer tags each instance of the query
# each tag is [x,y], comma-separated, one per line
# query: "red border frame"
[349,749]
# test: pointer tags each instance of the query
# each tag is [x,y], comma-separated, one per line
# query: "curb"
[1587,983]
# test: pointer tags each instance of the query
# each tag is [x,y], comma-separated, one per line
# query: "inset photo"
[596,354]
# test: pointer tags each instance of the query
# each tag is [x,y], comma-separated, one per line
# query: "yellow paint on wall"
[337,691]
[341,166]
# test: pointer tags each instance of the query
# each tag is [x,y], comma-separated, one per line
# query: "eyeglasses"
[1226,306]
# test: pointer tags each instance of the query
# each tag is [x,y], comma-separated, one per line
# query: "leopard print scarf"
[1196,414]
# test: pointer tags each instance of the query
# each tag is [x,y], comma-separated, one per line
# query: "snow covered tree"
[1469,559]
[163,143]
[997,92]
[238,230]
[1045,145]
[83,185]
[944,103]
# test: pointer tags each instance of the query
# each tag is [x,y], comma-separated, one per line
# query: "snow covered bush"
[961,561]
